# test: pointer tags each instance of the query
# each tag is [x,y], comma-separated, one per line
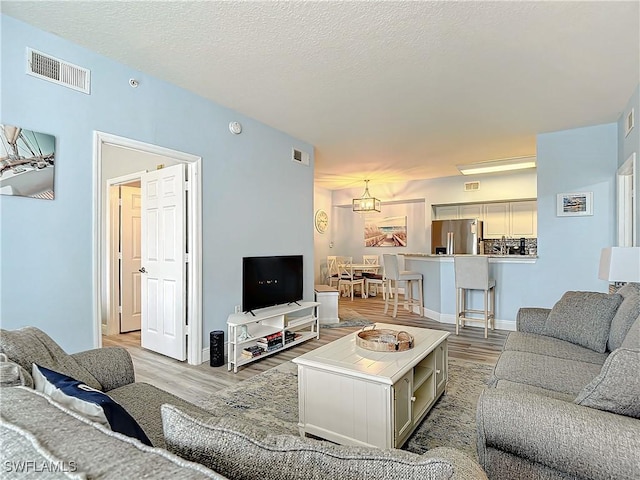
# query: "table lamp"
[620,264]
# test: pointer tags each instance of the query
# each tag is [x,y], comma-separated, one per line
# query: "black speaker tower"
[216,348]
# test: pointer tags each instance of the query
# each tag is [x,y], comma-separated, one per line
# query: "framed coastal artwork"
[385,232]
[574,204]
[27,161]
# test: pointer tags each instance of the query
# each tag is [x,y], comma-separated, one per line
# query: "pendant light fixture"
[366,203]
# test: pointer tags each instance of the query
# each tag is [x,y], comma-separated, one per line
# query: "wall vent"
[471,186]
[299,156]
[58,71]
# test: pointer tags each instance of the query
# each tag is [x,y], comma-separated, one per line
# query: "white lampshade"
[620,264]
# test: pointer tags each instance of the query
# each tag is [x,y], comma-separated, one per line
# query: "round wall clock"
[321,221]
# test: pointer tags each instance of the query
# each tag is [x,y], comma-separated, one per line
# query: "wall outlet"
[237,309]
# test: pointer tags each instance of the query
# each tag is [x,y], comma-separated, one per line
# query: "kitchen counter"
[492,258]
[511,273]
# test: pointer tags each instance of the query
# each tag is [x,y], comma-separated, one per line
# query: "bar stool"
[394,275]
[472,273]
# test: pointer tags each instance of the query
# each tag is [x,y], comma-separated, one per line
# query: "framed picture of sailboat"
[27,161]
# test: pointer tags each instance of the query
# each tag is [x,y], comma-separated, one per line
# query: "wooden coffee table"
[353,396]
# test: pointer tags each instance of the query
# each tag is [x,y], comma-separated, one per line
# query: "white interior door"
[130,243]
[163,261]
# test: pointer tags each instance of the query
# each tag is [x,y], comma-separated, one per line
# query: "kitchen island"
[510,272]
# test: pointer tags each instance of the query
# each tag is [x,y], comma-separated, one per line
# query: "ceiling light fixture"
[366,203]
[503,165]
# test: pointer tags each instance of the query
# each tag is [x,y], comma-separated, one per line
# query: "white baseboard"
[450,318]
[206,353]
[432,314]
[499,324]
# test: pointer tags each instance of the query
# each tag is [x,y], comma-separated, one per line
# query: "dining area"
[373,275]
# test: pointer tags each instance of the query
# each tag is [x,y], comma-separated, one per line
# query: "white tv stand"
[302,319]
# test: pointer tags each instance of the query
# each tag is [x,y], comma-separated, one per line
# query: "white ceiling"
[384,90]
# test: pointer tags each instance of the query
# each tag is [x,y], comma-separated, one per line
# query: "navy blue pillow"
[88,402]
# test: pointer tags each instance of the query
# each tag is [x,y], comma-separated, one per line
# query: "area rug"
[270,401]
[348,318]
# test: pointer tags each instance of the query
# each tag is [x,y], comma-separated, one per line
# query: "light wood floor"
[192,381]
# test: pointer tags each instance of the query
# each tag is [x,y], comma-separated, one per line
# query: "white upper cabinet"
[472,211]
[496,220]
[447,212]
[510,219]
[524,219]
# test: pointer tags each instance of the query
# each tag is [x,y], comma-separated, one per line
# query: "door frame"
[111,265]
[194,236]
[627,205]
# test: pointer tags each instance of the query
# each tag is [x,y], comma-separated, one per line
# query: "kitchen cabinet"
[496,220]
[471,211]
[455,212]
[524,219]
[510,219]
[447,212]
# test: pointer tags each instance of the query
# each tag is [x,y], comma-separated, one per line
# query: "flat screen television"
[268,281]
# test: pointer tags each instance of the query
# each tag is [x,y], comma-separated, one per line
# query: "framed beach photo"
[574,204]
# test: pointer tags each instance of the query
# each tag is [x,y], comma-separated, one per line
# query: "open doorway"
[119,164]
[124,256]
[627,203]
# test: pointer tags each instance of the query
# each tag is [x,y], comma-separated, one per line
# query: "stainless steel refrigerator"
[456,236]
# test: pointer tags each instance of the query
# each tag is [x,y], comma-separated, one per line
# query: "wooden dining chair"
[333,272]
[348,277]
[373,276]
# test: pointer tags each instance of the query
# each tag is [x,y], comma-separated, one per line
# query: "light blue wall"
[256,201]
[322,241]
[578,160]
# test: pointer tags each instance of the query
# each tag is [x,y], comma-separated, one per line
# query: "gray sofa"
[564,398]
[188,442]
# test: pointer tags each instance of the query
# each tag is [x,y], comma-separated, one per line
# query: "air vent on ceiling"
[471,186]
[299,156]
[58,71]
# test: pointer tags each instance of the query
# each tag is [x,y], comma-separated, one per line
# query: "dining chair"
[333,272]
[373,276]
[348,277]
[472,273]
[394,275]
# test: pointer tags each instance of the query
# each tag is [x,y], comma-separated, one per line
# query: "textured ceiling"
[384,90]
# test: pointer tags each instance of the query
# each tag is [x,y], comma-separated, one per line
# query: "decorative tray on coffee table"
[384,340]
